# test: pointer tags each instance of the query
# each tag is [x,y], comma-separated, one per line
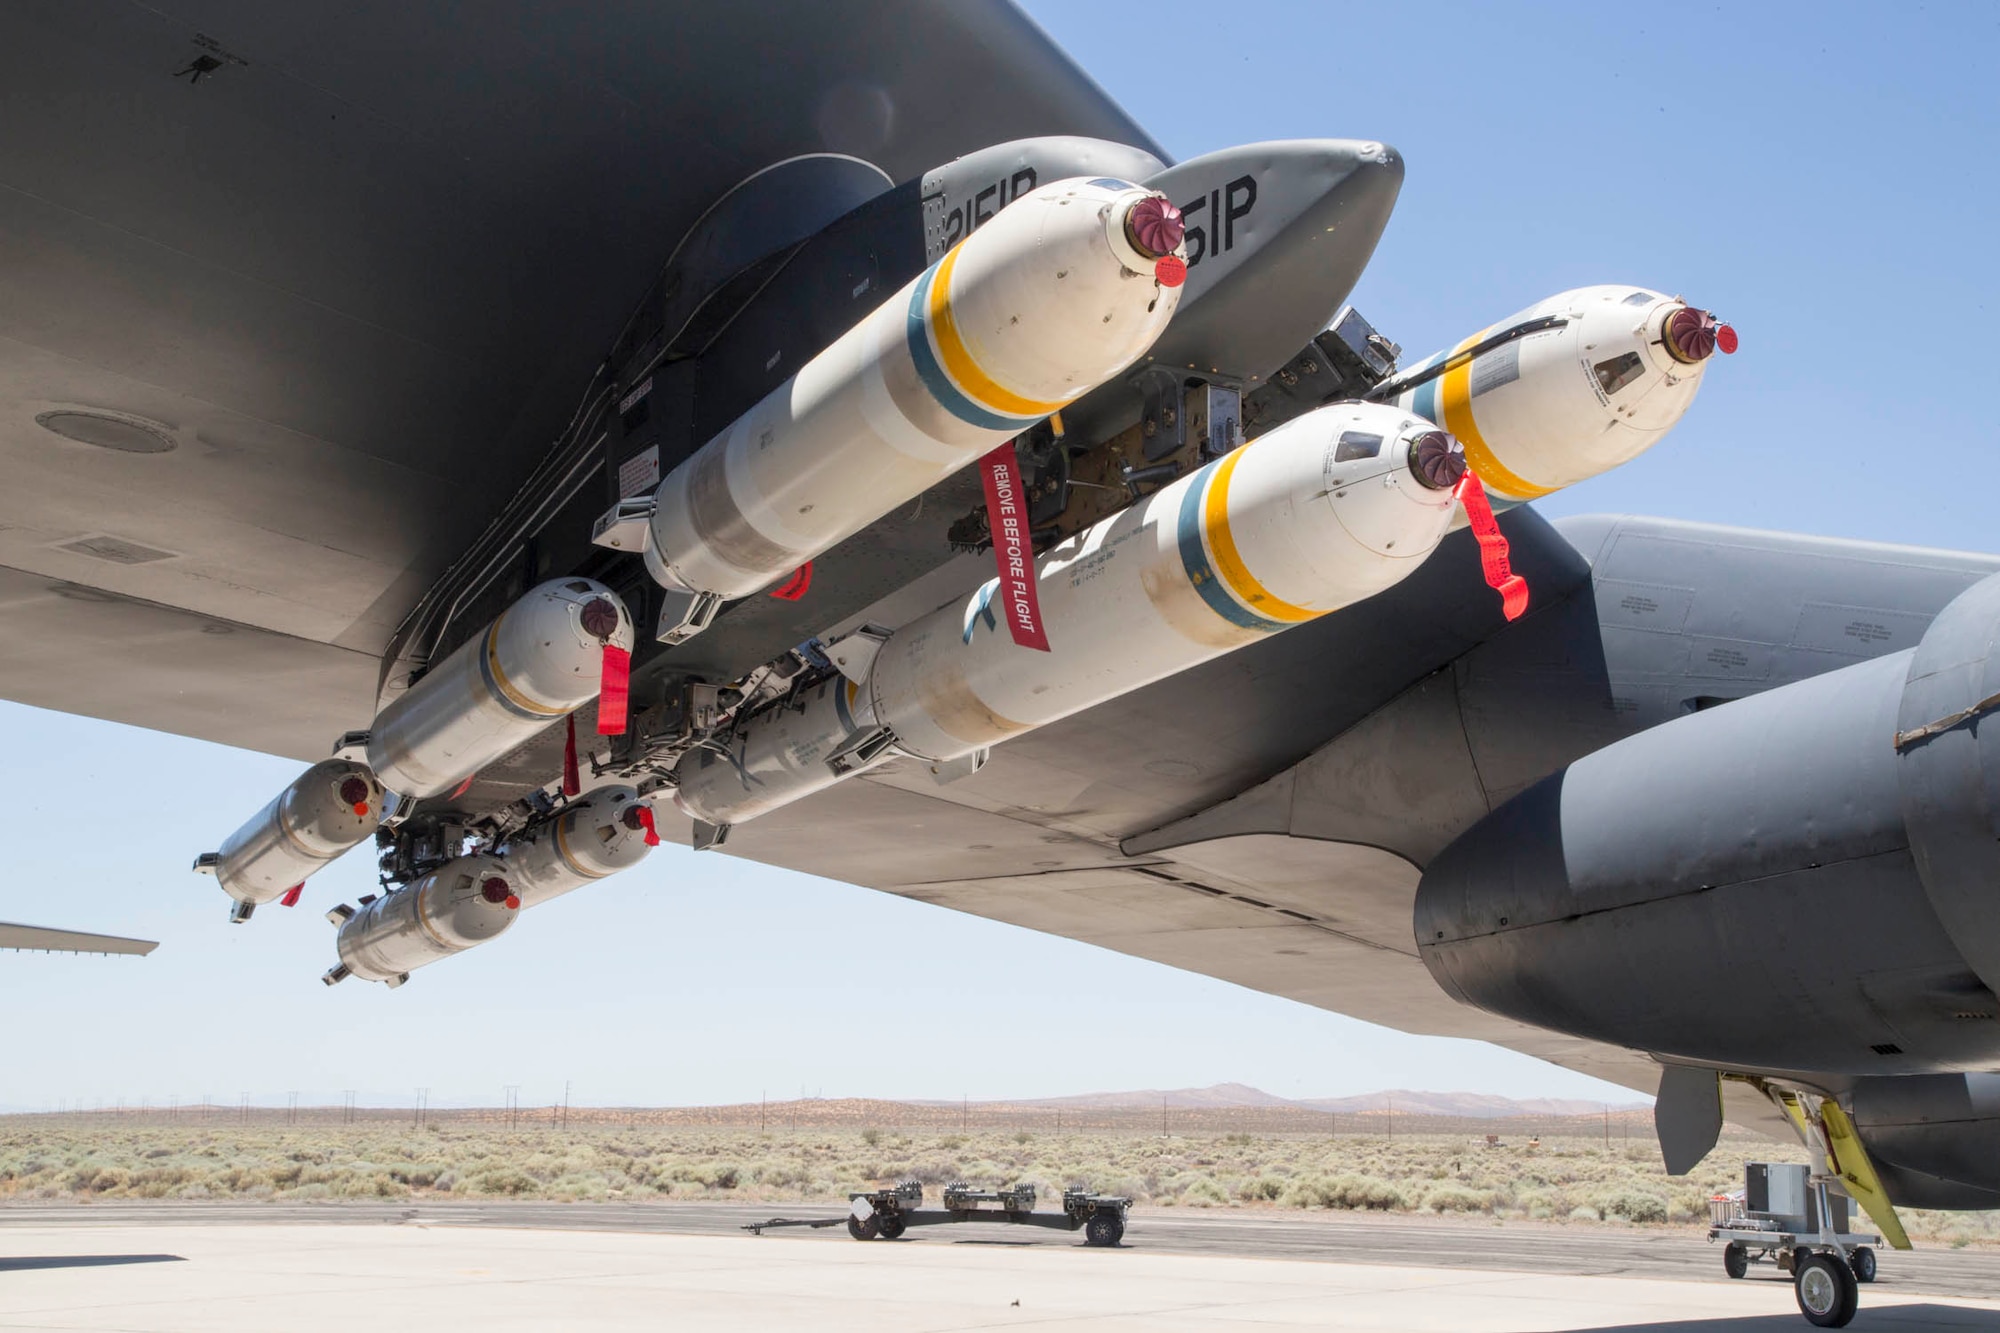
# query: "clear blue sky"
[1820,175]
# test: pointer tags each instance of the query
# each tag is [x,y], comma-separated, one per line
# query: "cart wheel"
[1103,1228]
[1864,1264]
[1825,1289]
[892,1226]
[1735,1259]
[862,1229]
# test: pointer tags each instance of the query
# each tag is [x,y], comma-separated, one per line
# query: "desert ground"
[1578,1174]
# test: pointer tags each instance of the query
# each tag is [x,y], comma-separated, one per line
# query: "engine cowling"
[1934,1138]
[1796,881]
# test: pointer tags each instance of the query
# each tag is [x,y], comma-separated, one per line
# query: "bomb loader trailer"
[887,1214]
[1785,1213]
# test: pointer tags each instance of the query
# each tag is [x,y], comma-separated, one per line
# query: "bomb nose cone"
[1154,226]
[1691,335]
[1438,460]
[600,618]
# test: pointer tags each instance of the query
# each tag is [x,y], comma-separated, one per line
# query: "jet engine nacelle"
[1933,1138]
[1799,880]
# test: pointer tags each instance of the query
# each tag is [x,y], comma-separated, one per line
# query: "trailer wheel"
[1735,1259]
[1825,1289]
[1103,1228]
[1864,1264]
[863,1229]
[892,1226]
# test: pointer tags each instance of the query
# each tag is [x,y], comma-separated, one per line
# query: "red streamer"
[795,587]
[572,775]
[291,898]
[646,822]
[614,691]
[1500,575]
[1007,519]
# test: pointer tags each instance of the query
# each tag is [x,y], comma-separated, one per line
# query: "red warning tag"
[572,774]
[291,898]
[646,822]
[1500,575]
[1007,519]
[614,691]
[793,588]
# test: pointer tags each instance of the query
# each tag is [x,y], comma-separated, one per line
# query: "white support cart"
[1786,1214]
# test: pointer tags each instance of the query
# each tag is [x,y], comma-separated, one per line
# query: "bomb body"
[460,905]
[1322,512]
[1053,296]
[1567,389]
[331,807]
[540,660]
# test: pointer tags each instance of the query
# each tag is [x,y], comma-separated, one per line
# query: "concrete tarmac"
[172,1267]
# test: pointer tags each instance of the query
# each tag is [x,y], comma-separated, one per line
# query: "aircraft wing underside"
[296,310]
[1048,834]
[292,301]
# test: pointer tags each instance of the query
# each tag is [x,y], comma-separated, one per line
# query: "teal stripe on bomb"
[1200,573]
[931,372]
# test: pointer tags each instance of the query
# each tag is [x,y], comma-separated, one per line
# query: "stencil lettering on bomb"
[962,219]
[1217,211]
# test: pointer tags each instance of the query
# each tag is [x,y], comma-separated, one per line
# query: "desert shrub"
[1260,1189]
[1542,1203]
[1345,1191]
[1457,1199]
[1204,1193]
[1634,1206]
[503,1181]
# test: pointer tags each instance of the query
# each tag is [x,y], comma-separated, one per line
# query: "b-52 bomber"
[842,438]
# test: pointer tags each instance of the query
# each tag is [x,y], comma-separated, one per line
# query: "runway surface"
[181,1266]
[1528,1247]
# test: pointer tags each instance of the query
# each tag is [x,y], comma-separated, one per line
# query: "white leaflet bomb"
[592,839]
[332,806]
[543,658]
[1569,388]
[1062,289]
[460,904]
[473,899]
[1320,513]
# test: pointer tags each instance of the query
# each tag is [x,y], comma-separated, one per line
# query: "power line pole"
[565,1122]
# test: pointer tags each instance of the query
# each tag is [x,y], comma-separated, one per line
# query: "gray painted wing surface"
[1264,819]
[357,265]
